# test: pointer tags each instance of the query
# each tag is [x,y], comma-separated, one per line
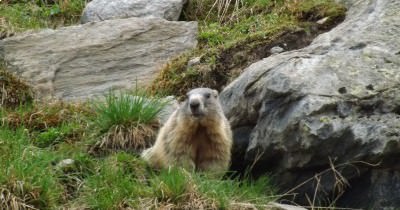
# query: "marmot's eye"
[208,95]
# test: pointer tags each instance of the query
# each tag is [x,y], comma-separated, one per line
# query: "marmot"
[197,136]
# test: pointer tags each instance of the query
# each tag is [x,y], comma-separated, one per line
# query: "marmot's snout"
[196,106]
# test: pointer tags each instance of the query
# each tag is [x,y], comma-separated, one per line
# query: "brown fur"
[201,143]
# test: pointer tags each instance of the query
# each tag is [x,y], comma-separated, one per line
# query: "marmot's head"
[202,102]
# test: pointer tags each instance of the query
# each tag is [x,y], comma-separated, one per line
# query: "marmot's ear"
[215,93]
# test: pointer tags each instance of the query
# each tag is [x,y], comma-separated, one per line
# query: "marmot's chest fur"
[200,142]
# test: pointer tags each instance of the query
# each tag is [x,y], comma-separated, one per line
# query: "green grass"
[258,192]
[26,170]
[126,121]
[56,135]
[23,15]
[112,186]
[31,174]
[126,109]
[171,185]
[174,187]
[253,19]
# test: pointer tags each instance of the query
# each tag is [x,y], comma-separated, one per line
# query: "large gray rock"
[99,10]
[79,61]
[338,100]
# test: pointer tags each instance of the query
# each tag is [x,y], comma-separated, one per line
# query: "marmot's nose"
[194,104]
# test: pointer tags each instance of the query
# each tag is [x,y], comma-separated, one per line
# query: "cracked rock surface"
[76,62]
[337,100]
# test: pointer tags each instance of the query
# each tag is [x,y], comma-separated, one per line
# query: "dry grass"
[6,28]
[223,7]
[11,202]
[43,116]
[222,11]
[134,138]
[193,201]
[22,15]
[13,91]
[338,188]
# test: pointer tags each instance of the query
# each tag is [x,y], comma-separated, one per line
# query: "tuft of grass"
[10,201]
[126,109]
[173,185]
[127,121]
[24,15]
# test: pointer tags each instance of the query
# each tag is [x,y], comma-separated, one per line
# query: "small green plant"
[54,135]
[212,35]
[127,121]
[51,136]
[127,109]
[172,185]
